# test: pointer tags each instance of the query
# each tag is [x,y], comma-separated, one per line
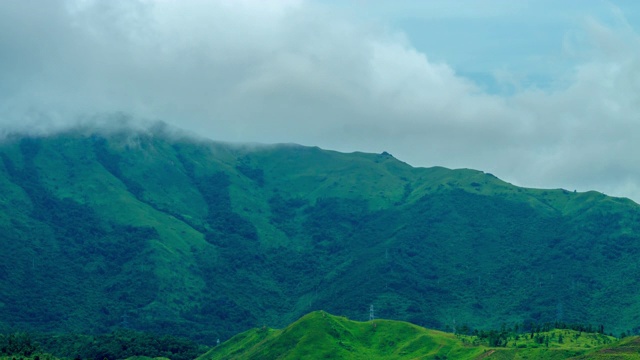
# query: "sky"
[540,93]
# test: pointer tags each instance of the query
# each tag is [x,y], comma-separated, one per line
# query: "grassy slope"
[573,344]
[628,348]
[246,236]
[319,335]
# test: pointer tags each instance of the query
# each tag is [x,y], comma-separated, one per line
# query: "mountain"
[159,232]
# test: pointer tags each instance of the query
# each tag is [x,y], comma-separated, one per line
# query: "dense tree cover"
[206,240]
[246,169]
[17,344]
[120,344]
[65,258]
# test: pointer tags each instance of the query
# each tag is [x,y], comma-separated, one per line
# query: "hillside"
[320,335]
[169,234]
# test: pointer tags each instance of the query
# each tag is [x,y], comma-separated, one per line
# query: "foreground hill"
[174,235]
[319,335]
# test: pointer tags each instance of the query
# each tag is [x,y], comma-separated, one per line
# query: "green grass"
[628,348]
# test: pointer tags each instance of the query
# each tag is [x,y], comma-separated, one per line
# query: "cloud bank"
[307,72]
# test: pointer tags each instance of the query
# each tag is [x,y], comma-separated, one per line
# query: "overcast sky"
[540,93]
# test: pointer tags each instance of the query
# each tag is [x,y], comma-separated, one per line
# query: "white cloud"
[299,71]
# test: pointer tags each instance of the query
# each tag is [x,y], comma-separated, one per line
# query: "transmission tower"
[371,317]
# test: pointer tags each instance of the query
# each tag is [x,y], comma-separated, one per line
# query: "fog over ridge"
[311,73]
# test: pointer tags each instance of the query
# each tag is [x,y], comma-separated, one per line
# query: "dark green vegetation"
[319,335]
[121,344]
[200,239]
[322,336]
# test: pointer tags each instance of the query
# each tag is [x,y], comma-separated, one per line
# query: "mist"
[312,73]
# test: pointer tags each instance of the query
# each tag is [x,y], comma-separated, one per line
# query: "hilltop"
[156,232]
[319,335]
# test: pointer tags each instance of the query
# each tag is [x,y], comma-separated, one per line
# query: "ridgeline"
[153,232]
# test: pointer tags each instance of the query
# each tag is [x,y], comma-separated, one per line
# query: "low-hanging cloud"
[300,71]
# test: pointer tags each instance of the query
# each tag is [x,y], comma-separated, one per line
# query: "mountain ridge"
[180,235]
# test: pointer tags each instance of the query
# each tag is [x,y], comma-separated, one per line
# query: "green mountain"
[320,335]
[156,232]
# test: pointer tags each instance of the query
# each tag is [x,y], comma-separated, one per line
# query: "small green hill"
[319,335]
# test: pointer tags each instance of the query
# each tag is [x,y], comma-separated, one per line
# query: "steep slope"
[191,237]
